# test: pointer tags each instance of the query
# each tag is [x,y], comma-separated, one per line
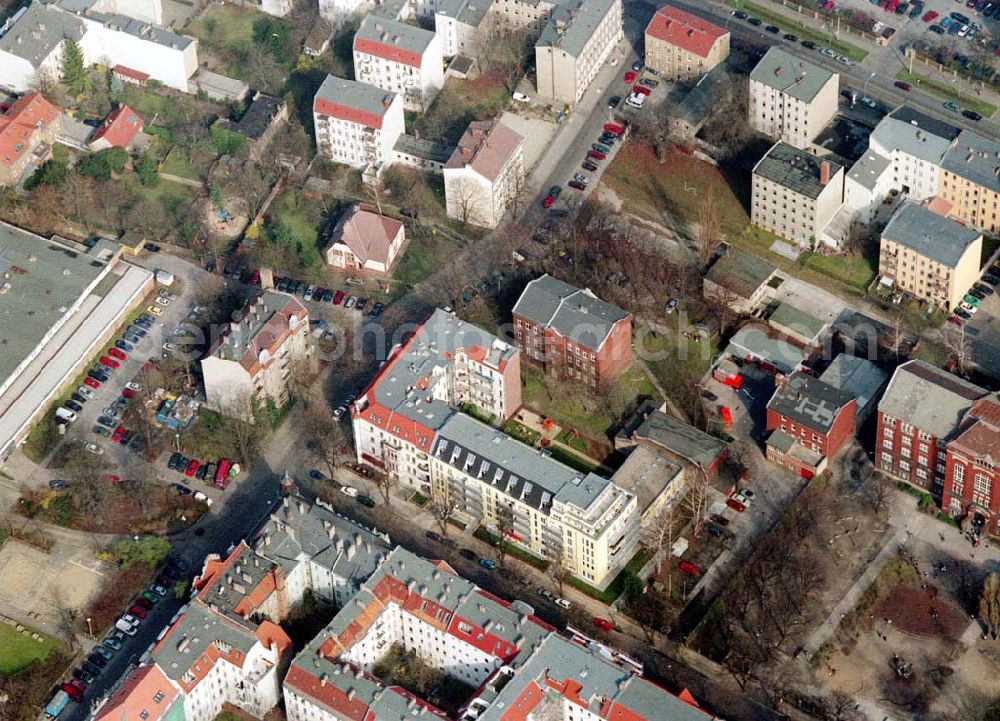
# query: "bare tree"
[696,494]
[385,482]
[303,371]
[654,129]
[441,508]
[989,605]
[67,617]
[323,436]
[658,535]
[504,526]
[960,349]
[465,198]
[709,233]
[556,570]
[245,423]
[879,490]
[504,50]
[842,707]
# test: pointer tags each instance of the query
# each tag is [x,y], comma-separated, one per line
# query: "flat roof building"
[577,39]
[791,99]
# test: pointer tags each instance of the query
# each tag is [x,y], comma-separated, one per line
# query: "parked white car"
[521,97]
[349,491]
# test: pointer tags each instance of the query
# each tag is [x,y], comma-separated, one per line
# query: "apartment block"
[570,332]
[932,258]
[681,46]
[28,130]
[972,467]
[356,124]
[970,181]
[577,39]
[915,145]
[484,174]
[586,521]
[791,99]
[249,363]
[921,410]
[794,194]
[445,364]
[401,58]
[146,694]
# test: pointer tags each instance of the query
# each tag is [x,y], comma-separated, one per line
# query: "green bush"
[100,166]
[226,142]
[148,549]
[52,172]
[145,167]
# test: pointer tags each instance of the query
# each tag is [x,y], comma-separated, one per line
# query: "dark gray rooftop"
[794,169]
[37,33]
[914,133]
[424,148]
[681,439]
[467,12]
[576,314]
[572,24]
[976,158]
[929,398]
[809,401]
[695,107]
[868,169]
[740,271]
[394,33]
[790,74]
[929,234]
[192,635]
[257,119]
[859,377]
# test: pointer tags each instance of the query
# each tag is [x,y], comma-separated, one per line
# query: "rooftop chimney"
[824,172]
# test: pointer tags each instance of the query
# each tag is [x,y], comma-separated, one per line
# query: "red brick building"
[809,421]
[571,333]
[972,466]
[921,410]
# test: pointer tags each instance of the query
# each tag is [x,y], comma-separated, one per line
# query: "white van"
[636,101]
[125,627]
[65,414]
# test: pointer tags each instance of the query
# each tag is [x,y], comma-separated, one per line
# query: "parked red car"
[119,432]
[73,691]
[548,201]
[641,90]
[138,611]
[613,128]
[903,86]
[191,469]
[630,77]
[930,17]
[690,569]
[338,297]
[118,353]
[128,393]
[597,154]
[735,505]
[112,478]
[720,520]
[603,623]
[110,363]
[91,382]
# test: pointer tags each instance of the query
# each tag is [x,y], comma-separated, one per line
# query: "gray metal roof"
[929,398]
[192,635]
[681,439]
[352,94]
[516,469]
[467,12]
[790,74]
[914,133]
[576,314]
[257,118]
[44,278]
[740,271]
[39,31]
[123,23]
[976,158]
[646,473]
[794,169]
[756,342]
[861,378]
[695,107]
[423,148]
[786,316]
[389,31]
[572,24]
[809,401]
[868,169]
[929,234]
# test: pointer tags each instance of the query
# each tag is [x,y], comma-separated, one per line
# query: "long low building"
[59,303]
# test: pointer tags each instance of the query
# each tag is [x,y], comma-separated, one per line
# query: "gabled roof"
[929,234]
[681,439]
[255,338]
[810,402]
[368,234]
[146,695]
[573,23]
[929,398]
[39,31]
[263,111]
[19,125]
[572,312]
[486,146]
[392,40]
[790,74]
[352,101]
[741,272]
[795,169]
[909,131]
[687,31]
[859,377]
[119,128]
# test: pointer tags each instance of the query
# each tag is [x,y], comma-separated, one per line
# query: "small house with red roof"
[121,129]
[27,132]
[682,46]
[365,241]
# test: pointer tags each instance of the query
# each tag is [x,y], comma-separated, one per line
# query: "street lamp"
[864,90]
[90,629]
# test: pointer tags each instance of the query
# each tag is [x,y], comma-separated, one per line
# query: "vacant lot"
[459,103]
[671,190]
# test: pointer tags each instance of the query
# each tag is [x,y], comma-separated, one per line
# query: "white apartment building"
[251,360]
[356,124]
[484,174]
[795,195]
[400,58]
[791,99]
[446,363]
[587,521]
[31,42]
[577,39]
[915,145]
[457,23]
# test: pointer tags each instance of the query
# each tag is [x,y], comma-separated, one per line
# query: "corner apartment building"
[972,466]
[356,124]
[920,411]
[970,181]
[484,174]
[557,512]
[681,46]
[577,39]
[570,332]
[791,99]
[28,130]
[794,194]
[401,58]
[251,360]
[932,258]
[446,363]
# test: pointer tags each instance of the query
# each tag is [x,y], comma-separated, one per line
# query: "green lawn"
[17,652]
[424,254]
[946,91]
[567,458]
[222,27]
[522,433]
[679,363]
[855,271]
[615,588]
[805,32]
[180,163]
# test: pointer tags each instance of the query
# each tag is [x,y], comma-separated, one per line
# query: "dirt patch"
[922,612]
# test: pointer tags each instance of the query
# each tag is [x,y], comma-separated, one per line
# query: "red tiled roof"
[130,73]
[344,112]
[270,634]
[525,703]
[387,52]
[368,234]
[329,695]
[119,128]
[19,125]
[684,30]
[486,146]
[146,690]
